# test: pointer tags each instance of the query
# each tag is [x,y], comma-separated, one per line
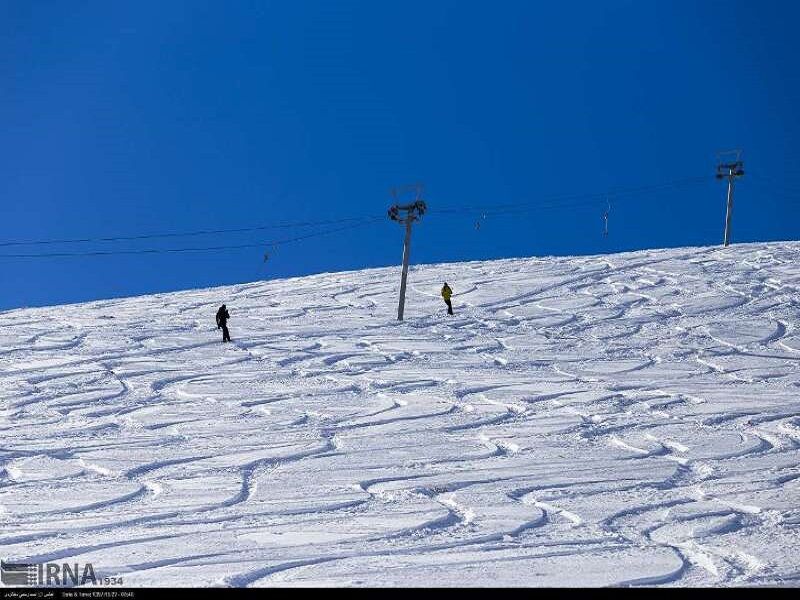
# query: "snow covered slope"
[611,420]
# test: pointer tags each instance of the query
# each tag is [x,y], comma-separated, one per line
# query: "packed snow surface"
[626,419]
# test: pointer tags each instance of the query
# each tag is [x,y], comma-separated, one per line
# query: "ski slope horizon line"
[413,266]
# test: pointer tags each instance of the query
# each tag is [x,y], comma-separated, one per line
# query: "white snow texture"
[628,419]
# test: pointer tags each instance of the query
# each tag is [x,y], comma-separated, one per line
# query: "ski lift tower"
[732,170]
[411,212]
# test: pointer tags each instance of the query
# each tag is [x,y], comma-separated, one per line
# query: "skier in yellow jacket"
[446,293]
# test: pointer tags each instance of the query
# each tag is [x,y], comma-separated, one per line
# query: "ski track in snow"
[595,421]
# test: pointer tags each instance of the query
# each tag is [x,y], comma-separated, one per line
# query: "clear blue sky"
[125,118]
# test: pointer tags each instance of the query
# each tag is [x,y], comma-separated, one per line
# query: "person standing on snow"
[446,293]
[222,323]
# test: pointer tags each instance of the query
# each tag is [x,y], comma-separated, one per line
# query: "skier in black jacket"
[222,323]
